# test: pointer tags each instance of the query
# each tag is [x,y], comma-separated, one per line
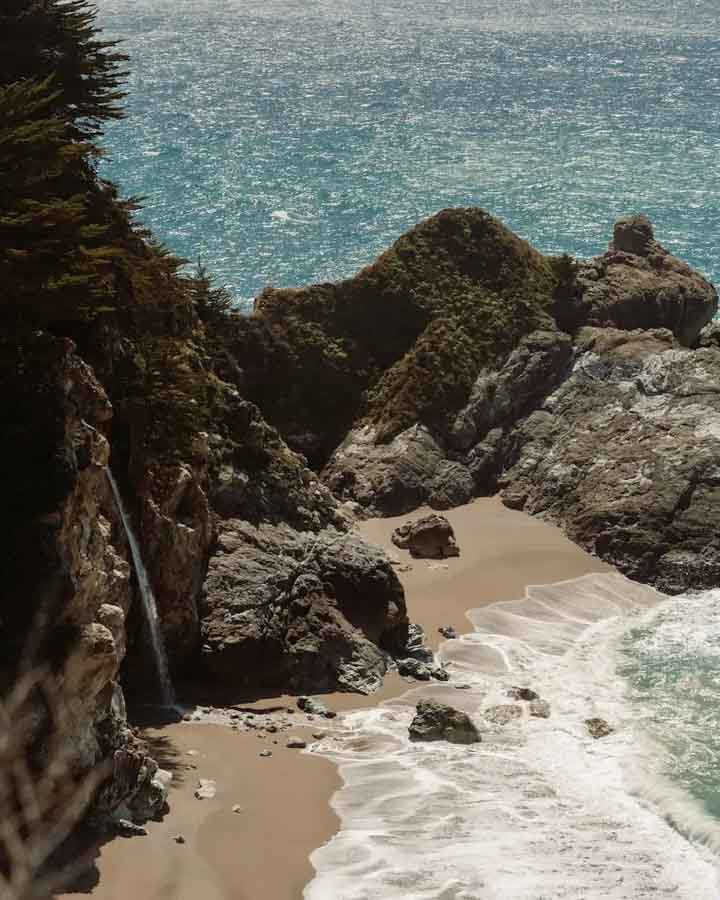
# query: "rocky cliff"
[577,388]
[462,362]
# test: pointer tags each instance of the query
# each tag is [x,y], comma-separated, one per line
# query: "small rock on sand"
[296,743]
[179,839]
[265,753]
[206,789]
[237,808]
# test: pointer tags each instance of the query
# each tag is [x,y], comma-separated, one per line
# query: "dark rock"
[125,828]
[413,668]
[179,839]
[447,631]
[625,456]
[392,478]
[440,673]
[431,537]
[598,728]
[638,284]
[633,234]
[710,335]
[523,693]
[415,646]
[436,721]
[501,396]
[298,610]
[540,709]
[295,743]
[314,707]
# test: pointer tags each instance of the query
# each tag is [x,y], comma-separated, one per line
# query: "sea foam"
[539,810]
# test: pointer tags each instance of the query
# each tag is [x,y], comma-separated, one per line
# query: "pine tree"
[52,250]
[59,38]
[211,303]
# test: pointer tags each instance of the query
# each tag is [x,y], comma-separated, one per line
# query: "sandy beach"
[260,850]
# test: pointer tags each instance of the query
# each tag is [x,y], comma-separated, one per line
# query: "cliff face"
[67,584]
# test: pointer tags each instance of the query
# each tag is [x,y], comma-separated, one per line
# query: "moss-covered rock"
[401,342]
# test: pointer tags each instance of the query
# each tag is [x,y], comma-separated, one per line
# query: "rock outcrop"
[300,610]
[67,584]
[597,413]
[435,721]
[625,455]
[430,537]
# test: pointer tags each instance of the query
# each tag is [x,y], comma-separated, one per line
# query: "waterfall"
[167,693]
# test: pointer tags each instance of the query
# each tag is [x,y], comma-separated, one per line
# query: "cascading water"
[167,694]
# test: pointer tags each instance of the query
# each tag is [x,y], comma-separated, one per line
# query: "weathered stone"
[447,631]
[502,396]
[300,610]
[598,728]
[391,478]
[296,743]
[126,828]
[414,668]
[502,714]
[435,721]
[638,284]
[315,708]
[431,537]
[633,234]
[540,709]
[206,789]
[523,693]
[625,456]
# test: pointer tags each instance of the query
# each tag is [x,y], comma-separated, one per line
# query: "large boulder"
[435,721]
[300,610]
[431,537]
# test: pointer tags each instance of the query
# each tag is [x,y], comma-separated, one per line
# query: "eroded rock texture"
[300,609]
[67,584]
[625,454]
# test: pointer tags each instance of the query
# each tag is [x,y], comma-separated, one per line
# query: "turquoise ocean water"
[290,141]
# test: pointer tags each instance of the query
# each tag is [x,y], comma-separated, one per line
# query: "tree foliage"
[52,249]
[59,39]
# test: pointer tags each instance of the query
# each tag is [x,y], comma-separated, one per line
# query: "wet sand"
[262,851]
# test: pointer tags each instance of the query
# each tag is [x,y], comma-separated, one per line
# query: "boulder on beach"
[435,721]
[431,537]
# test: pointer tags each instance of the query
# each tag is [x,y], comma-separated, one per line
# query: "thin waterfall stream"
[167,694]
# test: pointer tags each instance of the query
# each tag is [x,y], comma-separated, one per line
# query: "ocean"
[540,809]
[290,141]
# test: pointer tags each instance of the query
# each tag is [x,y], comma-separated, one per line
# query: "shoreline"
[262,851]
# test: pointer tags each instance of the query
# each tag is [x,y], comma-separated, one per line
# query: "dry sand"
[262,852]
